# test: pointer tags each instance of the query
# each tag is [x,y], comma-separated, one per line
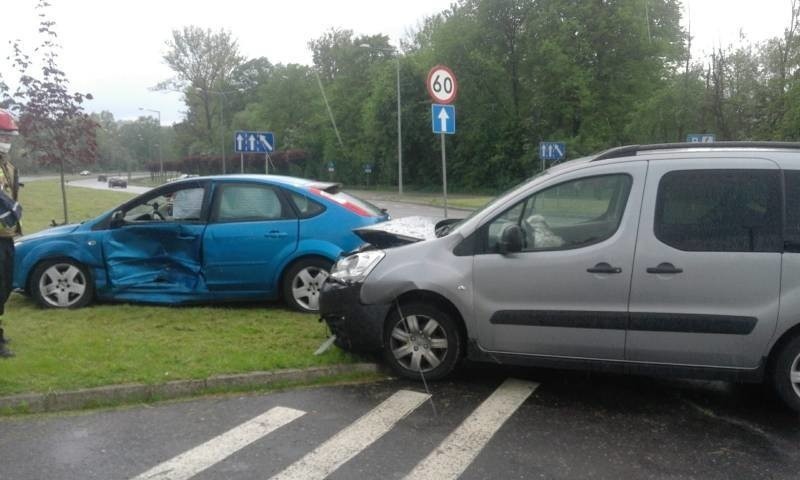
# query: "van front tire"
[425,341]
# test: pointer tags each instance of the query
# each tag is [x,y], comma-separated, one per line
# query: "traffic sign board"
[700,138]
[367,168]
[331,167]
[442,86]
[443,118]
[254,142]
[552,150]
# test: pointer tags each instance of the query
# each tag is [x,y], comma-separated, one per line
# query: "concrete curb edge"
[139,392]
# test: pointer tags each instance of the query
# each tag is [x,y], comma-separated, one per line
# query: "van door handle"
[603,267]
[663,268]
[275,234]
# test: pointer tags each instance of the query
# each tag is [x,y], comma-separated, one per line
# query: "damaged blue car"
[206,239]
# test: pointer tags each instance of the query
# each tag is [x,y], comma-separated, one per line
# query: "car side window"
[306,207]
[573,214]
[248,202]
[720,210]
[185,204]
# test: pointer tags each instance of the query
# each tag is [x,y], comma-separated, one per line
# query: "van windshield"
[447,229]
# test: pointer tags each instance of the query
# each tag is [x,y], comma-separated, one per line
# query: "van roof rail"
[630,150]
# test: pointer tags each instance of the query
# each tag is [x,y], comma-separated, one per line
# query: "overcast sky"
[114,48]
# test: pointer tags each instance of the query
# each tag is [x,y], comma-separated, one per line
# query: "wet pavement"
[566,425]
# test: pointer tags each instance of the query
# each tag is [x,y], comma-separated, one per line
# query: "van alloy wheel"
[425,342]
[419,343]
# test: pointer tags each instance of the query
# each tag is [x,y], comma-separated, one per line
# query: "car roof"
[277,179]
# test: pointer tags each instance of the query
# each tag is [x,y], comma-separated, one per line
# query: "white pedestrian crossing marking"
[460,448]
[346,444]
[194,461]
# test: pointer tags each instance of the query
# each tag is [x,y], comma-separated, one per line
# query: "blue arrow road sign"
[443,118]
[552,150]
[254,142]
[700,138]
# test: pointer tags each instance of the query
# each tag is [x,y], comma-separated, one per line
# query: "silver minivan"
[674,259]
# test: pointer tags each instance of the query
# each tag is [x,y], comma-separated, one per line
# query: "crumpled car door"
[162,257]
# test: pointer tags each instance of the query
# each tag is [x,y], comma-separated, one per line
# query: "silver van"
[673,259]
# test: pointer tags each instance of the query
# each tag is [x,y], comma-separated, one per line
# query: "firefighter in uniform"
[10,214]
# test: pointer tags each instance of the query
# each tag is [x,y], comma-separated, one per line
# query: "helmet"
[8,126]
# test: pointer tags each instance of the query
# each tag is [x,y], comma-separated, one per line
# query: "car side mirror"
[117,219]
[510,239]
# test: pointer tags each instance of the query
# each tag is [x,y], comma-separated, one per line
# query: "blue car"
[223,238]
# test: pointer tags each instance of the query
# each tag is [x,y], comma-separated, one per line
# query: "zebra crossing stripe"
[346,444]
[196,460]
[460,448]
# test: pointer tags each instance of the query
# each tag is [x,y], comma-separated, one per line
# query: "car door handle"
[187,237]
[275,234]
[665,267]
[603,267]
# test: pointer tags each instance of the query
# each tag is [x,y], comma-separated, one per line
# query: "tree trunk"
[63,191]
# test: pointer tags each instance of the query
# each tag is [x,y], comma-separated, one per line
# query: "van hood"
[402,231]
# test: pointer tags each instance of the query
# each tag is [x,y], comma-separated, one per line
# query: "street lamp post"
[399,118]
[160,156]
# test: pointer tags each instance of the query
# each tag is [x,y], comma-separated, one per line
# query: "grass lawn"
[120,343]
[41,203]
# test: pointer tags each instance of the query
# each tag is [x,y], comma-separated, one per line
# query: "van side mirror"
[117,219]
[511,239]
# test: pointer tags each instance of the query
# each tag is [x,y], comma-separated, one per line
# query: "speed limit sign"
[442,86]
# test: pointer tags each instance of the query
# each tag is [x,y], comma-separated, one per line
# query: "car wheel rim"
[794,375]
[418,343]
[306,286]
[62,285]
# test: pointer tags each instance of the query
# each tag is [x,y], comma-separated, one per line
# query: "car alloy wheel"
[425,341]
[306,286]
[302,283]
[63,285]
[786,373]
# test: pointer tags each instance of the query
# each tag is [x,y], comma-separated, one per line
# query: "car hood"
[50,232]
[401,231]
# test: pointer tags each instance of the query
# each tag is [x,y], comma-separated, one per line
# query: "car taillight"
[341,201]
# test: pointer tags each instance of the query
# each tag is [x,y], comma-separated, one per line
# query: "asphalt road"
[91,182]
[477,425]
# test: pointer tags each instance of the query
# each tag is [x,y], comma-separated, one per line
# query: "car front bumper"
[357,327]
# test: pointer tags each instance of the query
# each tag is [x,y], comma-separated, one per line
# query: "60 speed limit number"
[442,86]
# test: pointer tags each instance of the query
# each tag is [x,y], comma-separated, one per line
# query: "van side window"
[792,230]
[570,215]
[720,210]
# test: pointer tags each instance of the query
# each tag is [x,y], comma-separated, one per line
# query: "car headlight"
[355,268]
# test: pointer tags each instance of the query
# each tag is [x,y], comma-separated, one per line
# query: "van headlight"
[355,268]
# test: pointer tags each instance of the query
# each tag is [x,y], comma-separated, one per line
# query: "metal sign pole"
[241,160]
[444,175]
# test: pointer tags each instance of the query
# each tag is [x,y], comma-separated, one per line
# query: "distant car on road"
[225,238]
[85,173]
[117,182]
[102,178]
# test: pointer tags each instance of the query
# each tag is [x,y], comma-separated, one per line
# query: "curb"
[139,392]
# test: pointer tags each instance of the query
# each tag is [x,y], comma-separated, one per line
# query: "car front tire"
[425,341]
[303,283]
[62,283]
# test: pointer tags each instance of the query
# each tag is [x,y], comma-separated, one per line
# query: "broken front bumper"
[357,327]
